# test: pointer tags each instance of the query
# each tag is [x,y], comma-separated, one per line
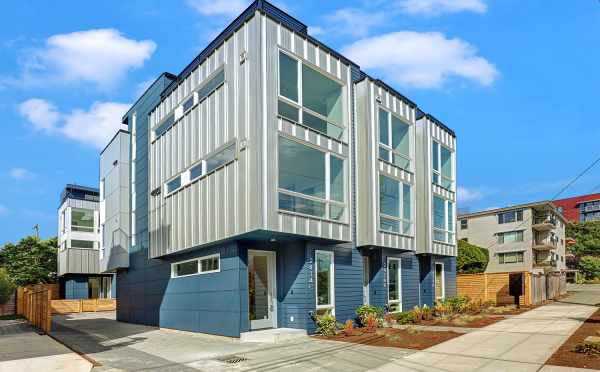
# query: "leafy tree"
[589,266]
[30,261]
[471,258]
[587,235]
[7,287]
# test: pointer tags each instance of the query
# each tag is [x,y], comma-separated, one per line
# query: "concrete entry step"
[273,336]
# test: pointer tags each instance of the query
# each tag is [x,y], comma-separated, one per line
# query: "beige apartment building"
[526,238]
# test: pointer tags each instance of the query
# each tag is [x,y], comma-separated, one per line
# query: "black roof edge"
[113,138]
[168,75]
[380,82]
[265,8]
[421,114]
[83,188]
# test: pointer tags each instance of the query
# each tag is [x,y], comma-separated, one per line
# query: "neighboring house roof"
[513,207]
[113,138]
[72,191]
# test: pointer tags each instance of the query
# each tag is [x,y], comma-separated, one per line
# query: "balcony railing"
[592,208]
[544,223]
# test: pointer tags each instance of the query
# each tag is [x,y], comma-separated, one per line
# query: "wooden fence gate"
[35,306]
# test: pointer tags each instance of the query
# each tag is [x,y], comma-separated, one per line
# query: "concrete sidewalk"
[22,350]
[521,343]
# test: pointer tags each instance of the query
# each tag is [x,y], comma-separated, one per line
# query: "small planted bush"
[364,311]
[427,312]
[417,314]
[405,317]
[371,323]
[349,328]
[588,348]
[326,325]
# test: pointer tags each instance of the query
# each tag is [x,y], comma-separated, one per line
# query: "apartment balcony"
[546,264]
[544,223]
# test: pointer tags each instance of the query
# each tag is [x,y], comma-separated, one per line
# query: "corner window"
[394,285]
[202,265]
[82,220]
[305,185]
[443,220]
[464,224]
[394,140]
[510,257]
[442,166]
[510,237]
[324,280]
[319,107]
[394,206]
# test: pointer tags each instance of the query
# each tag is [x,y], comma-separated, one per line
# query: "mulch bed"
[566,357]
[400,338]
[475,323]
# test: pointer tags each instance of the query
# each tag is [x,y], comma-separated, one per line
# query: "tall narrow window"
[440,282]
[321,95]
[394,206]
[394,140]
[443,220]
[394,285]
[288,77]
[441,164]
[324,280]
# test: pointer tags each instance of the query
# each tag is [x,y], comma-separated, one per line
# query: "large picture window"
[324,280]
[394,285]
[510,216]
[395,210]
[394,140]
[441,159]
[82,220]
[310,181]
[510,236]
[443,220]
[319,106]
[510,257]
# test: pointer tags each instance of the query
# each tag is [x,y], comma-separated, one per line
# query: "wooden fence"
[492,287]
[35,306]
[53,288]
[82,305]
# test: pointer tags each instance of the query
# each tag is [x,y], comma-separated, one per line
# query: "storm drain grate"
[232,359]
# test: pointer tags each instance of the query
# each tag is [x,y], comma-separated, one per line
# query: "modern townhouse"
[527,237]
[580,208]
[272,181]
[78,241]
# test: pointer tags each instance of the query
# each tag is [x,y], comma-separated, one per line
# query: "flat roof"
[510,208]
[113,138]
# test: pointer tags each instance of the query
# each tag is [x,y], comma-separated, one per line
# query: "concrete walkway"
[22,349]
[521,343]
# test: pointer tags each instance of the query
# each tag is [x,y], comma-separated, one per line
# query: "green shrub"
[417,314]
[452,305]
[7,287]
[427,312]
[405,317]
[326,325]
[364,311]
[589,266]
[471,258]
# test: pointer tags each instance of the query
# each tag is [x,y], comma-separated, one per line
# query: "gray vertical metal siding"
[369,167]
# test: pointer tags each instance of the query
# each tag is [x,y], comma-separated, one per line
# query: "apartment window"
[174,184]
[82,220]
[82,244]
[443,220]
[510,236]
[319,106]
[510,216]
[324,280]
[310,181]
[227,155]
[464,224]
[202,265]
[394,140]
[395,213]
[442,166]
[510,257]
[197,171]
[394,285]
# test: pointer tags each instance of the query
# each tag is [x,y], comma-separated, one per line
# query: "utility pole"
[37,231]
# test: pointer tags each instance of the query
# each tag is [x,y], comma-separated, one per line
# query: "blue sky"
[517,80]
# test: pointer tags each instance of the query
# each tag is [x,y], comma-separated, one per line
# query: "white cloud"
[436,7]
[94,127]
[354,21]
[42,114]
[101,57]
[466,195]
[21,174]
[422,60]
[218,7]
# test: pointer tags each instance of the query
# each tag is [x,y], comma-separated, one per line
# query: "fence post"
[48,311]
[485,287]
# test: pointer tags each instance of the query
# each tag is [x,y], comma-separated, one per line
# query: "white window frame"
[399,300]
[443,280]
[198,264]
[503,235]
[446,230]
[400,219]
[388,146]
[501,255]
[330,306]
[300,105]
[438,172]
[327,200]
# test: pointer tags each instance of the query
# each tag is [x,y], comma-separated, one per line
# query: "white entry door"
[262,293]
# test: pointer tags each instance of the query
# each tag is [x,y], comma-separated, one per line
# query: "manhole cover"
[232,359]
